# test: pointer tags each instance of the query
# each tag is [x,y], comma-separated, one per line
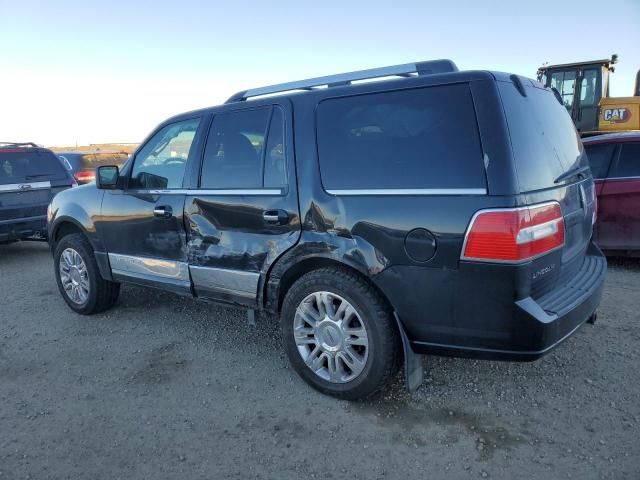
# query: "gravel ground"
[165,387]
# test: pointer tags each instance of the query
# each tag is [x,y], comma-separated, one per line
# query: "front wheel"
[79,279]
[339,334]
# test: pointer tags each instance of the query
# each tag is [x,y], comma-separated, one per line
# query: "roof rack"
[406,70]
[18,144]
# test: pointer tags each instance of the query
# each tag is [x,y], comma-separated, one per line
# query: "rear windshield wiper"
[576,172]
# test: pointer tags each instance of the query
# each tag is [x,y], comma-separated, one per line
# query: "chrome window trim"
[408,191]
[24,187]
[637,177]
[232,192]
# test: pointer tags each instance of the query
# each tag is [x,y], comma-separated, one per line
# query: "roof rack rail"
[18,144]
[406,70]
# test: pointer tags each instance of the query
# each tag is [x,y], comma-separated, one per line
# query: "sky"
[81,72]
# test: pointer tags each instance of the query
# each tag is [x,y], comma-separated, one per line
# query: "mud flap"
[413,369]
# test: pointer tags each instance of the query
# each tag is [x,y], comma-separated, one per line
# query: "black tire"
[102,293]
[376,314]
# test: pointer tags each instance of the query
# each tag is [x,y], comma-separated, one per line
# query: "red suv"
[615,163]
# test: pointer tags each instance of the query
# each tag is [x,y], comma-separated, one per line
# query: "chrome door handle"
[162,212]
[275,217]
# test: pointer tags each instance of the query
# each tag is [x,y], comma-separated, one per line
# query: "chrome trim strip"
[24,187]
[196,191]
[411,191]
[620,178]
[228,280]
[144,267]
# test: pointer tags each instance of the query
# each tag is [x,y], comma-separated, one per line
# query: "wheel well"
[66,228]
[315,263]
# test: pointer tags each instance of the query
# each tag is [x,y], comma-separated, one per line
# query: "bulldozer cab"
[581,87]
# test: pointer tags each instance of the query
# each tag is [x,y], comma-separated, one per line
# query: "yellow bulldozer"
[583,88]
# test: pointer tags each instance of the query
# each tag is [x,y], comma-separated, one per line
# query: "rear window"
[599,155]
[30,166]
[411,139]
[544,140]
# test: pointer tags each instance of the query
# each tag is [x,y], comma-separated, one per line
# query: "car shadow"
[20,252]
[626,263]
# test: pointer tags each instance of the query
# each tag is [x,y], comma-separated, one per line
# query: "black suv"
[29,178]
[441,212]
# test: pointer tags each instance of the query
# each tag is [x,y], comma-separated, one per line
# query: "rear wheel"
[339,334]
[79,279]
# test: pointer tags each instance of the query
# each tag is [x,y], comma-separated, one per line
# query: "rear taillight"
[85,176]
[514,235]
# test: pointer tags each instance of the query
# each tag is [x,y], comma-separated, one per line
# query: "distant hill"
[99,147]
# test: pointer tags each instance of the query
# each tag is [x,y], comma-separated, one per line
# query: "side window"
[162,161]
[240,155]
[628,164]
[588,91]
[423,138]
[564,82]
[599,156]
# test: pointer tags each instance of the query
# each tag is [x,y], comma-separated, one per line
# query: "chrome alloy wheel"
[74,276]
[330,336]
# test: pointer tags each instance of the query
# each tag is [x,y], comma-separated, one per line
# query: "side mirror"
[107,177]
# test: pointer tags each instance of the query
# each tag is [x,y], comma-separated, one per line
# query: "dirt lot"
[164,387]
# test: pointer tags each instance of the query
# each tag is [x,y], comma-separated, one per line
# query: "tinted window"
[599,155]
[30,166]
[543,138]
[628,165]
[410,139]
[235,155]
[275,175]
[160,164]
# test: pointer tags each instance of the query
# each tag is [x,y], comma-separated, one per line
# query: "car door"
[600,155]
[244,212]
[619,208]
[142,225]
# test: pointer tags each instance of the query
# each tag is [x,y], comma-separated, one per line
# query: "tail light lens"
[514,235]
[85,176]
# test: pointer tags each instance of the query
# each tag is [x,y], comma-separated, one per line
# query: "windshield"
[29,166]
[544,140]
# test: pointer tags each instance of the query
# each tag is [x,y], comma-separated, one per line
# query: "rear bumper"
[23,228]
[479,321]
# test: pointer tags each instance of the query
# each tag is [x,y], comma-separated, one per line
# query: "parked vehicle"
[83,164]
[615,163]
[29,178]
[440,212]
[583,88]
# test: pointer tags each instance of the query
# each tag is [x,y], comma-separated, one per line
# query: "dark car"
[83,164]
[615,163]
[441,212]
[30,176]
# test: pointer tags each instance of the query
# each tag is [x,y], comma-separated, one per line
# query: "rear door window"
[423,138]
[544,140]
[599,155]
[628,164]
[30,166]
[245,150]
